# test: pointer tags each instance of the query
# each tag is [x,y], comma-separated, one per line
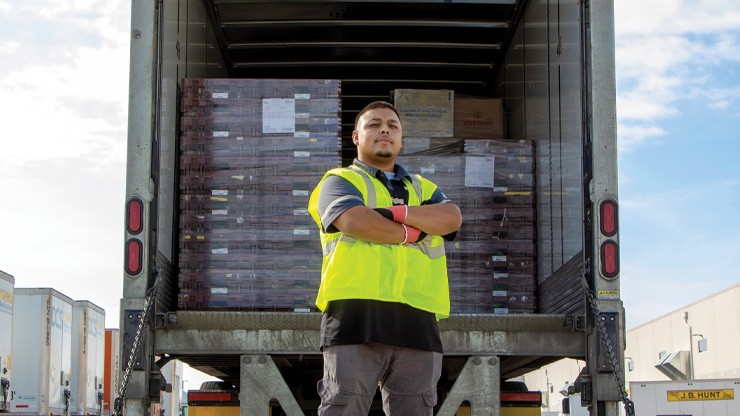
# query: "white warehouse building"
[698,341]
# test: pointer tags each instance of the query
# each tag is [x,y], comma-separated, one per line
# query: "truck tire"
[216,385]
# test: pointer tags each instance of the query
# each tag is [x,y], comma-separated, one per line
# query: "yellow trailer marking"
[699,395]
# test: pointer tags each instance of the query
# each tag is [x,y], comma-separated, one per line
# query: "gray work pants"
[407,377]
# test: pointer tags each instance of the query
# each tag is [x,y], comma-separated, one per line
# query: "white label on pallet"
[220,212]
[220,95]
[302,135]
[479,171]
[301,154]
[302,116]
[498,258]
[302,96]
[220,192]
[300,212]
[278,115]
[219,291]
[499,293]
[220,133]
[300,192]
[300,231]
[224,250]
[500,275]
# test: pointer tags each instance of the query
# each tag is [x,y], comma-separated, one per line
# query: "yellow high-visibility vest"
[412,273]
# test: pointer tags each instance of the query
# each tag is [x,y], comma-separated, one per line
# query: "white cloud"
[677,50]
[631,135]
[677,16]
[68,101]
[8,47]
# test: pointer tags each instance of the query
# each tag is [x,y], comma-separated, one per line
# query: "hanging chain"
[151,295]
[629,406]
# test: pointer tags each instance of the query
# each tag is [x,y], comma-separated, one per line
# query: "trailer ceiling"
[372,47]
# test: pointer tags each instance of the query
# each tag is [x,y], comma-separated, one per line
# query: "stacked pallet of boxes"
[459,143]
[251,152]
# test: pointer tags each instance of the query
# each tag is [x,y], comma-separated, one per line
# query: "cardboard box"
[479,118]
[425,113]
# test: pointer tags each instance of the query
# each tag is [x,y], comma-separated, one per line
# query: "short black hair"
[372,106]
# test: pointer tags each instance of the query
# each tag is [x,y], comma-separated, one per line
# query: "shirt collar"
[400,171]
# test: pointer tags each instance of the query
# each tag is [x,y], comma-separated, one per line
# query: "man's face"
[378,137]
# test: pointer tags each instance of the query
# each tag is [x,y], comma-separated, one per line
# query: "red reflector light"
[608,217]
[134,254]
[134,216]
[609,258]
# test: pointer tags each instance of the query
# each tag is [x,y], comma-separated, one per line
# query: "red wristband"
[400,212]
[411,234]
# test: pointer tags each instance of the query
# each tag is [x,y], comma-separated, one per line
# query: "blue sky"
[678,107]
[64,86]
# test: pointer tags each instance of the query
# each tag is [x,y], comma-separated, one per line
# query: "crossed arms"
[366,224]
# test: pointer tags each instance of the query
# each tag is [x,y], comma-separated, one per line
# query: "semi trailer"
[551,65]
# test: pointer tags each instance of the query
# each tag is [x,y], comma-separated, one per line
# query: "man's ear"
[355,138]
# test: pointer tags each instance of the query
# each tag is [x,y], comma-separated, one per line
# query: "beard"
[385,154]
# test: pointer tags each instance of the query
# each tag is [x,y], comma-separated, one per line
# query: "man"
[384,275]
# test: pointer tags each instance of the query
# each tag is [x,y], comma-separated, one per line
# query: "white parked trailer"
[88,358]
[7,282]
[42,351]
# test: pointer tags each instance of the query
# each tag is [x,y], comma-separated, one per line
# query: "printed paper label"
[278,115]
[479,171]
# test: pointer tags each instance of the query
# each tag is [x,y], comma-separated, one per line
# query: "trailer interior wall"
[189,49]
[542,81]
